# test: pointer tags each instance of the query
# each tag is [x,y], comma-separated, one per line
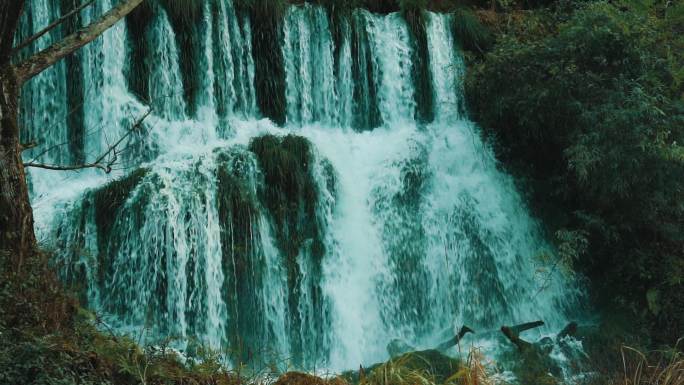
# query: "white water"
[422,232]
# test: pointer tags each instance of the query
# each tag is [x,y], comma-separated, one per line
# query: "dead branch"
[50,27]
[105,161]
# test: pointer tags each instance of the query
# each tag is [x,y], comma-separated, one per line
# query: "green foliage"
[585,107]
[471,34]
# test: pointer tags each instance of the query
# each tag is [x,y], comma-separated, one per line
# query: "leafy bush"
[586,116]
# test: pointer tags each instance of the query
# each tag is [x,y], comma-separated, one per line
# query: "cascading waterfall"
[319,241]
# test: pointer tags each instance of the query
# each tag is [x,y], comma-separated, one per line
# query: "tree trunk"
[16,217]
[17,239]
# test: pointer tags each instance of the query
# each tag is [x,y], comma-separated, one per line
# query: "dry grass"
[664,367]
[398,371]
[474,371]
[417,369]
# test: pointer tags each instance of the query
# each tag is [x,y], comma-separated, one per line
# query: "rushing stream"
[370,210]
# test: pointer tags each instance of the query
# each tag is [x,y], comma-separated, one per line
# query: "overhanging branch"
[50,55]
[50,27]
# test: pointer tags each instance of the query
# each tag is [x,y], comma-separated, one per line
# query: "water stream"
[316,241]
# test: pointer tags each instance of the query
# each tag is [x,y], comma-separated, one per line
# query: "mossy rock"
[290,193]
[425,366]
[298,378]
[109,199]
[535,367]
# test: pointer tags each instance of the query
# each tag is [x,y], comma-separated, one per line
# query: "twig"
[100,161]
[51,26]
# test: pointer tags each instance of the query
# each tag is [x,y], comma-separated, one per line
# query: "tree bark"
[17,238]
[16,218]
[10,10]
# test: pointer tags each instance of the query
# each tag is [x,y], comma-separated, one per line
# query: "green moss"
[440,366]
[471,34]
[414,14]
[189,10]
[238,210]
[269,78]
[365,108]
[75,89]
[186,17]
[289,191]
[290,194]
[108,201]
[137,68]
[81,354]
[533,366]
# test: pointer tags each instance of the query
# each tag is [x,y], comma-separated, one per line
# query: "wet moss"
[422,74]
[365,108]
[137,68]
[75,89]
[290,192]
[108,202]
[221,72]
[186,17]
[533,366]
[269,77]
[109,199]
[238,211]
[440,366]
[290,195]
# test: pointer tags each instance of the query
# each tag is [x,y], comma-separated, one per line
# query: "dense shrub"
[586,113]
[46,338]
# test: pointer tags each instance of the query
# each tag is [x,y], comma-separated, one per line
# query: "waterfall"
[318,241]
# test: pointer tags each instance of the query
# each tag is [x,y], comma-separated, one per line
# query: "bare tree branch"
[50,55]
[103,162]
[27,146]
[50,27]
